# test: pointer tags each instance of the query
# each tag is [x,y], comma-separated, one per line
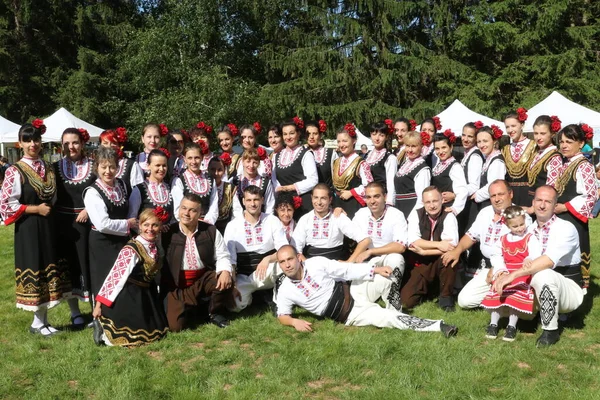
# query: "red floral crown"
[390,125]
[497,132]
[438,123]
[588,131]
[522,114]
[297,202]
[233,129]
[556,124]
[204,149]
[425,139]
[322,126]
[350,129]
[204,126]
[226,158]
[478,124]
[262,153]
[413,124]
[163,129]
[161,214]
[166,152]
[298,122]
[121,135]
[39,124]
[85,136]
[258,127]
[450,135]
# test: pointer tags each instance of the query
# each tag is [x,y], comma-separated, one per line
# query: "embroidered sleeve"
[117,277]
[212,214]
[365,178]
[474,170]
[309,167]
[177,194]
[582,205]
[267,166]
[137,175]
[422,180]
[10,207]
[552,168]
[391,167]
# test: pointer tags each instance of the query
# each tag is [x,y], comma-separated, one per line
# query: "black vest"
[69,193]
[148,202]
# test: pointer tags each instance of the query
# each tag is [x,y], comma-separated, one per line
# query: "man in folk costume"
[321,233]
[197,265]
[487,229]
[432,232]
[252,241]
[386,227]
[321,287]
[556,275]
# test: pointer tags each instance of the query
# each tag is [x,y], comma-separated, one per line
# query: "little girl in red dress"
[517,299]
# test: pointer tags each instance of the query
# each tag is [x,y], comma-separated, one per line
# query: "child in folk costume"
[275,139]
[226,136]
[401,127]
[294,169]
[493,166]
[151,136]
[28,192]
[324,157]
[107,204]
[517,299]
[74,173]
[382,162]
[575,183]
[201,133]
[472,164]
[226,191]
[251,177]
[413,174]
[128,307]
[430,126]
[517,156]
[285,205]
[448,175]
[127,170]
[350,173]
[248,135]
[193,180]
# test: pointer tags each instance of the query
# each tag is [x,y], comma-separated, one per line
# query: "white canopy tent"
[457,115]
[362,139]
[5,127]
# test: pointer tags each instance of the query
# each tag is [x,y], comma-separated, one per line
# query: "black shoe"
[219,320]
[80,326]
[97,334]
[548,338]
[448,330]
[448,309]
[41,330]
[492,331]
[510,334]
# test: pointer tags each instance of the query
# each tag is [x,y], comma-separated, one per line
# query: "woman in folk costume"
[128,170]
[547,159]
[350,173]
[107,204]
[128,309]
[414,175]
[448,175]
[401,127]
[577,190]
[285,205]
[294,169]
[28,192]
[248,135]
[202,133]
[175,141]
[472,164]
[430,126]
[154,192]
[193,180]
[251,177]
[493,165]
[226,191]
[74,173]
[151,137]
[381,161]
[517,156]
[324,157]
[226,137]
[275,139]
[517,299]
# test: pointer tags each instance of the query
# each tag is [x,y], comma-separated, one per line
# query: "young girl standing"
[151,135]
[381,161]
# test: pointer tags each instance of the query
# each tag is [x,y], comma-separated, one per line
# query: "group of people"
[148,240]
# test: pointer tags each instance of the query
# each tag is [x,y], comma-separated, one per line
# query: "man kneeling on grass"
[321,287]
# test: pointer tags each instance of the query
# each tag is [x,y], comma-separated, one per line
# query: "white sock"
[74,307]
[512,320]
[495,317]
[39,318]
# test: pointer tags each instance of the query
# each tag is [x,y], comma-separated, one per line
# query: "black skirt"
[73,250]
[104,250]
[583,230]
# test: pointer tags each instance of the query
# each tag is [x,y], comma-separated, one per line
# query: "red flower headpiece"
[85,136]
[207,128]
[297,202]
[163,129]
[497,132]
[322,126]
[204,149]
[226,158]
[450,135]
[167,153]
[588,131]
[121,135]
[262,153]
[438,124]
[556,124]
[185,133]
[413,124]
[39,124]
[298,121]
[478,124]
[522,114]
[350,129]
[161,214]
[233,129]
[257,127]
[390,125]
[425,139]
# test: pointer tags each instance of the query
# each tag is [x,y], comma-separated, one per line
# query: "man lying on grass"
[320,286]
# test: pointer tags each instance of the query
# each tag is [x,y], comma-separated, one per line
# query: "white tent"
[567,111]
[457,115]
[362,139]
[55,125]
[5,127]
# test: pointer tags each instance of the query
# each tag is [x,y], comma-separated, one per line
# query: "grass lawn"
[257,358]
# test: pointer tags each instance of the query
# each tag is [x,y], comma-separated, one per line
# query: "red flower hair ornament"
[438,123]
[85,136]
[226,158]
[163,129]
[413,124]
[425,139]
[556,124]
[497,132]
[121,135]
[207,128]
[298,122]
[588,131]
[322,126]
[450,135]
[297,202]
[233,129]
[350,129]
[478,124]
[204,149]
[390,125]
[262,153]
[39,124]
[522,114]
[166,152]
[161,214]
[258,127]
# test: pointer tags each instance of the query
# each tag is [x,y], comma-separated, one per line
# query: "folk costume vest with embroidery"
[427,234]
[350,178]
[516,172]
[324,166]
[440,178]
[484,178]
[34,189]
[378,167]
[152,200]
[146,268]
[199,185]
[292,172]
[69,195]
[537,173]
[405,183]
[566,184]
[115,210]
[242,183]
[465,162]
[124,172]
[226,201]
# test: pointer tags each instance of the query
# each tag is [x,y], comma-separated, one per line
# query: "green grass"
[257,358]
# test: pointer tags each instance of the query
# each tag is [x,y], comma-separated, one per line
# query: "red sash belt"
[188,277]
